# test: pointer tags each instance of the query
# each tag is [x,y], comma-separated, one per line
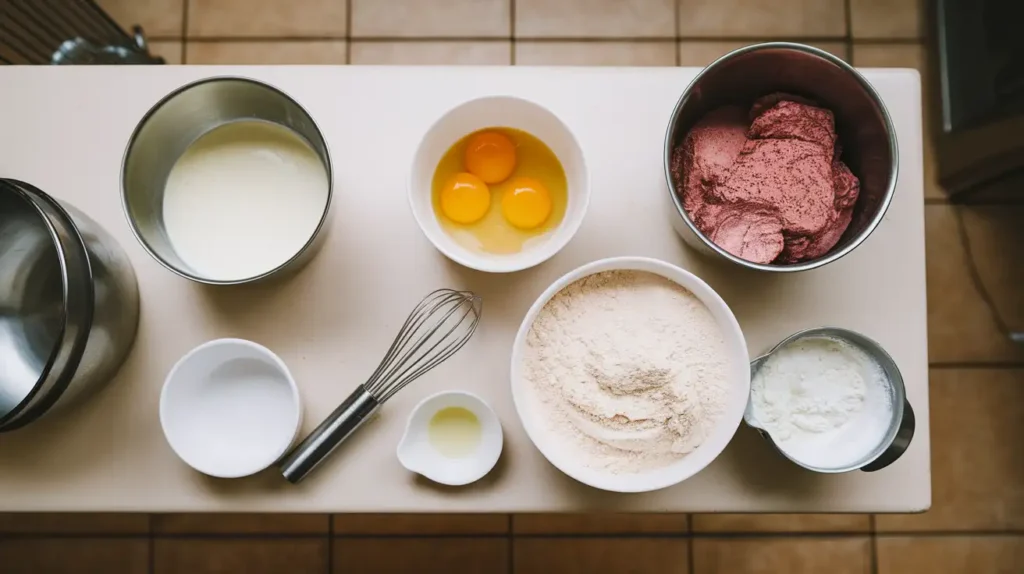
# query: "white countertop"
[65,129]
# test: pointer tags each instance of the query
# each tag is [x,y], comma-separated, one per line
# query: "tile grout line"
[994,365]
[511,543]
[502,536]
[679,57]
[690,560]
[982,203]
[887,41]
[348,46]
[874,537]
[848,9]
[535,39]
[512,53]
[151,517]
[362,39]
[184,32]
[330,533]
[977,280]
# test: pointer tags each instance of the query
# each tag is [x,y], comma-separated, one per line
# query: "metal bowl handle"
[748,412]
[899,444]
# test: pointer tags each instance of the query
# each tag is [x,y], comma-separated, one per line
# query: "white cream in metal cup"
[901,427]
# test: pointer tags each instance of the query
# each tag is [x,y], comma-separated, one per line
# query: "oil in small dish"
[454,432]
[498,189]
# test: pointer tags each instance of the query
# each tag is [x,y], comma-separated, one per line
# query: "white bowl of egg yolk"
[499,184]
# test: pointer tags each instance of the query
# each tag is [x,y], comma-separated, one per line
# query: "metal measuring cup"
[176,122]
[901,427]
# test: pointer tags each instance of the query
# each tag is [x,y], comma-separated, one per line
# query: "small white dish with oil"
[452,438]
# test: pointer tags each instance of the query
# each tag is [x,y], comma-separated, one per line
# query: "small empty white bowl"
[230,408]
[499,112]
[419,454]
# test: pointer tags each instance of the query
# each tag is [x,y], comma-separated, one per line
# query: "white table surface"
[65,129]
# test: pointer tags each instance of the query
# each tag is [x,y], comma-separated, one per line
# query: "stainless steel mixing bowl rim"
[830,257]
[156,107]
[897,405]
[25,411]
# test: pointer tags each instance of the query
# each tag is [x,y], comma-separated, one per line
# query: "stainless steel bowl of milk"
[227,180]
[831,400]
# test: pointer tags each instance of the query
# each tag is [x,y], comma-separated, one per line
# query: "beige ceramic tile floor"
[976,524]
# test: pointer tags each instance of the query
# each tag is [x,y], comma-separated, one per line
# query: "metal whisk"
[435,330]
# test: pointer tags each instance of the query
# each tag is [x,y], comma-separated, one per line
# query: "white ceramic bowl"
[685,467]
[418,455]
[230,408]
[488,112]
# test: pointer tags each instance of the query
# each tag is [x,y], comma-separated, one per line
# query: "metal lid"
[45,302]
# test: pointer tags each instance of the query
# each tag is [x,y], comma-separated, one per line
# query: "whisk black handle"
[329,434]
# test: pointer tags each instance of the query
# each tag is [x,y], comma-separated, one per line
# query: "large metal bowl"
[69,305]
[862,122]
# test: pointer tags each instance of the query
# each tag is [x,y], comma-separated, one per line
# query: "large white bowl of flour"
[630,374]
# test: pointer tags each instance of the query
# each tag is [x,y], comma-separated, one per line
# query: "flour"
[824,402]
[630,370]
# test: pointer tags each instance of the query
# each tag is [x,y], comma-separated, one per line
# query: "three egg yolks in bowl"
[498,188]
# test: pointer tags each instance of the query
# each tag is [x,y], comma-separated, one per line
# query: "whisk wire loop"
[422,367]
[435,330]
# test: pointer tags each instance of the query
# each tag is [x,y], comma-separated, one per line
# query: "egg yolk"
[526,203]
[491,156]
[464,198]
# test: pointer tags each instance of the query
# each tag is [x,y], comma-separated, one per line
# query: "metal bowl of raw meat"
[766,238]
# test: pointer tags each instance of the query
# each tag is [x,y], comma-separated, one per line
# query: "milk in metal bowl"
[243,199]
